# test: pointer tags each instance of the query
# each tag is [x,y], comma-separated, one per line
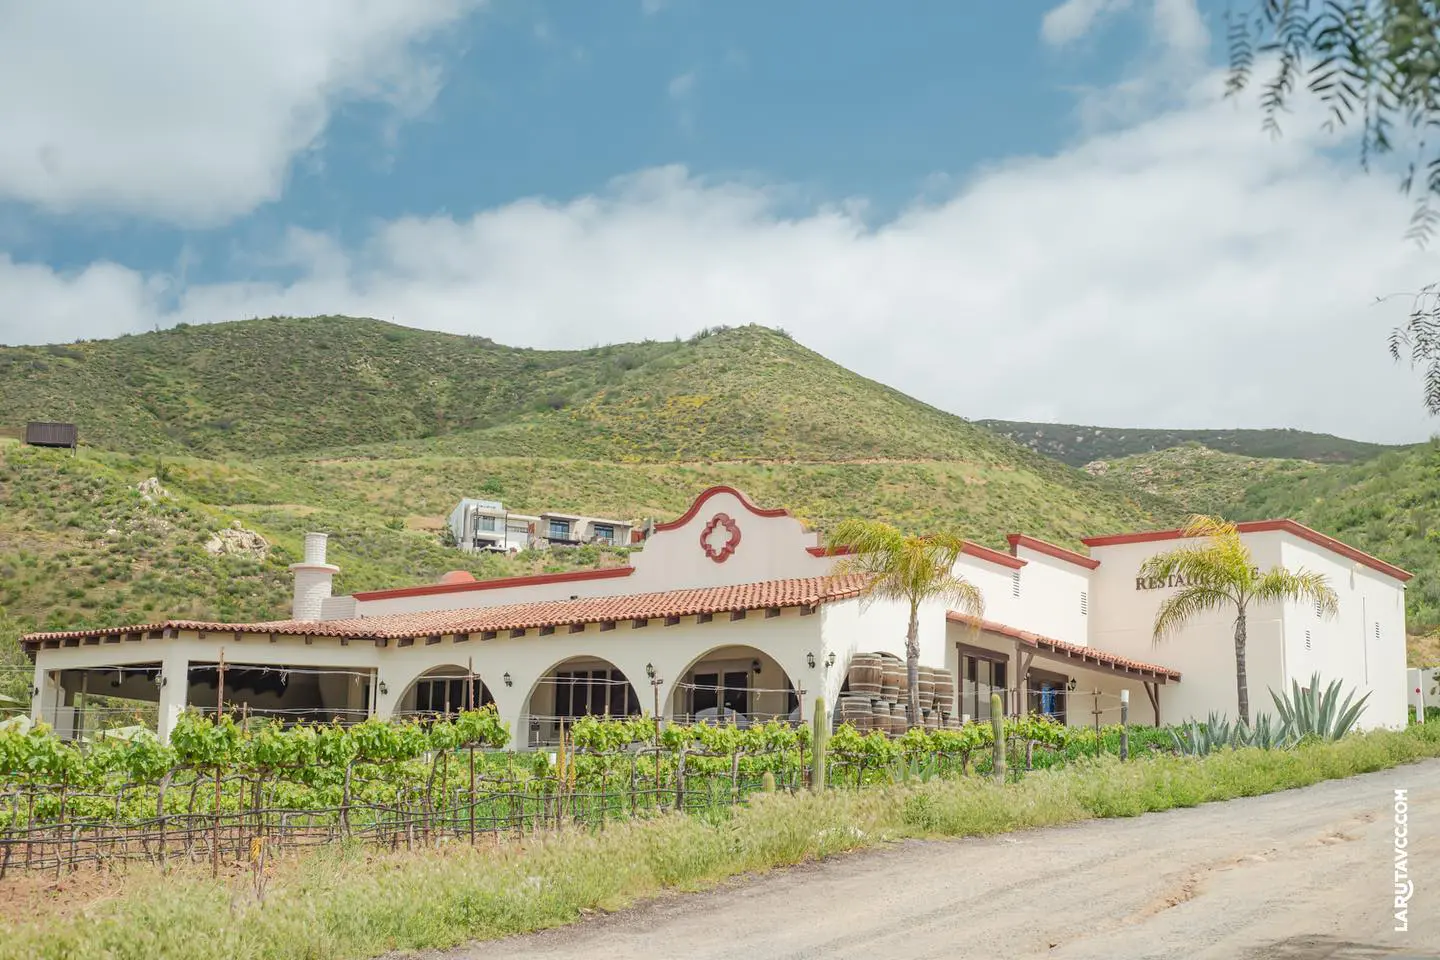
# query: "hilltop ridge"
[1079,444]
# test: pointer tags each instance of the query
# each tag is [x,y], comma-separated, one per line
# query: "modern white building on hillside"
[735,609]
[488,525]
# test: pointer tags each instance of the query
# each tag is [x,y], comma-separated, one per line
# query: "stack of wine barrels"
[878,695]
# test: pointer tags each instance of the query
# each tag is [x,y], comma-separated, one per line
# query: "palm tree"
[909,569]
[1221,575]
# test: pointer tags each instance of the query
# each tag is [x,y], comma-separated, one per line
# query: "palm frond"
[1222,561]
[1180,608]
[900,567]
[1280,585]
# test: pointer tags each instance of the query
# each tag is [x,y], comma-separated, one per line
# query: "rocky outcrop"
[151,491]
[236,541]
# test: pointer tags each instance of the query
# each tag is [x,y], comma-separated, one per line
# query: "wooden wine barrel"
[932,719]
[866,672]
[951,721]
[944,689]
[856,711]
[926,683]
[891,678]
[880,711]
[897,719]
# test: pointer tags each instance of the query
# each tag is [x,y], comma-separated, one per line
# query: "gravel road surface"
[1301,874]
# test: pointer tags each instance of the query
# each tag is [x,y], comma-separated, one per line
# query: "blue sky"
[554,99]
[1051,191]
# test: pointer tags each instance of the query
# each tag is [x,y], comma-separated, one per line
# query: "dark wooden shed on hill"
[52,434]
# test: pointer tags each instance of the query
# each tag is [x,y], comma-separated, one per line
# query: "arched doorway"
[443,691]
[734,683]
[577,687]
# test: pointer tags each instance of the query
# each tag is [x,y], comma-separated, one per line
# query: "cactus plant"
[817,746]
[767,782]
[997,725]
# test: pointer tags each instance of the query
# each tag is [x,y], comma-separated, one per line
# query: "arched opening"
[737,684]
[577,687]
[443,691]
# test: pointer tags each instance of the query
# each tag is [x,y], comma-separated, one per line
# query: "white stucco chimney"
[313,579]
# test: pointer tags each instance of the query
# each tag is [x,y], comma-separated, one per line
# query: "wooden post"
[655,687]
[1099,747]
[219,711]
[470,700]
[1125,724]
[82,701]
[219,686]
[1152,690]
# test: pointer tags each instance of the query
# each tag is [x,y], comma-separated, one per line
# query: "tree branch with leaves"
[1374,64]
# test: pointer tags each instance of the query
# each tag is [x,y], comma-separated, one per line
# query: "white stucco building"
[734,607]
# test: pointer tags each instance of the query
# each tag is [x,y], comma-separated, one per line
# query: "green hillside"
[372,432]
[1200,479]
[1078,445]
[284,384]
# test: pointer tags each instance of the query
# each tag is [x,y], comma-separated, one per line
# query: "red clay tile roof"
[803,592]
[1073,651]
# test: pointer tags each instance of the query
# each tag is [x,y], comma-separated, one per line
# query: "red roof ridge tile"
[1018,540]
[1293,527]
[496,583]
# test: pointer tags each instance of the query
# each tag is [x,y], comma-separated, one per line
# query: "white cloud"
[1185,271]
[681,86]
[1074,19]
[193,112]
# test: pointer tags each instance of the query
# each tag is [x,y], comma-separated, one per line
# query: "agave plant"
[1196,739]
[1265,734]
[1312,712]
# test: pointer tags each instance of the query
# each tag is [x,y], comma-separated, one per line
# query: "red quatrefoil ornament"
[728,547]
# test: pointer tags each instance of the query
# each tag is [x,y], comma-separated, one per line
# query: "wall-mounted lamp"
[810,659]
[1071,684]
[162,680]
[34,691]
[650,670]
[508,681]
[755,665]
[830,660]
[384,690]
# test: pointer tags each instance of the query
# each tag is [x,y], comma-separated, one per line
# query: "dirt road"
[1302,874]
